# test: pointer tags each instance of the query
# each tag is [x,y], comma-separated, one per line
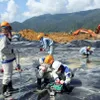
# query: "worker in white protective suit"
[85,52]
[53,70]
[46,44]
[62,74]
[7,57]
[43,70]
[60,70]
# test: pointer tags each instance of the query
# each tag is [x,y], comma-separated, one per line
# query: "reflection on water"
[90,77]
[83,63]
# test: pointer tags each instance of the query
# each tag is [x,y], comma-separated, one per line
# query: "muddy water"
[90,75]
[76,63]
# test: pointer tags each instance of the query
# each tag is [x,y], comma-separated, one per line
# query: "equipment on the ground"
[56,87]
[59,87]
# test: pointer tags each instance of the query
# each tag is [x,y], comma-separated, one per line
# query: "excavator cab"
[98,29]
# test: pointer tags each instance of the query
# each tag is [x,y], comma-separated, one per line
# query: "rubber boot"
[39,83]
[10,87]
[46,81]
[5,92]
[4,88]
[67,88]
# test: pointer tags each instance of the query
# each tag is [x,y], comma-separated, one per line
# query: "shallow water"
[76,63]
[90,75]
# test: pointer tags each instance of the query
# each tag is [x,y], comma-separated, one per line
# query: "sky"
[20,10]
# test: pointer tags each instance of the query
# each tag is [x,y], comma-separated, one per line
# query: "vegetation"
[61,22]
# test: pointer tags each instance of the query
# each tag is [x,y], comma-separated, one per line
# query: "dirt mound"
[65,37]
[57,37]
[28,34]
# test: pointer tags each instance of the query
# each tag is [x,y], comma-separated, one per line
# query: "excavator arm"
[82,30]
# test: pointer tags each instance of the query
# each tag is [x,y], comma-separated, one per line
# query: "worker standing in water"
[85,53]
[46,43]
[7,57]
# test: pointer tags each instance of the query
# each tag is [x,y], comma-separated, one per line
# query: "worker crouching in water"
[85,52]
[43,71]
[7,57]
[46,44]
[54,71]
[62,75]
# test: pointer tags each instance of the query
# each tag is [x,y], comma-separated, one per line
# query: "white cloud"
[96,3]
[78,5]
[36,8]
[40,7]
[3,0]
[45,7]
[11,12]
[82,5]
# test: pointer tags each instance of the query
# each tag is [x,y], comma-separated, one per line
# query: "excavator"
[98,29]
[82,30]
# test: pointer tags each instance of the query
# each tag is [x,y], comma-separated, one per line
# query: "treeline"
[61,22]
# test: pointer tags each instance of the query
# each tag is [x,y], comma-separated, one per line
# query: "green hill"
[61,22]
